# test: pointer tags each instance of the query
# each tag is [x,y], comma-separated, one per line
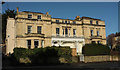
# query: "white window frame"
[29,30]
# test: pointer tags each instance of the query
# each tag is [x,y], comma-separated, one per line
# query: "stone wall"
[101,58]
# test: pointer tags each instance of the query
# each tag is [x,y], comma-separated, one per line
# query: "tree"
[111,40]
[11,14]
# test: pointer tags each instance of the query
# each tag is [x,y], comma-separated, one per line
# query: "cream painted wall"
[49,26]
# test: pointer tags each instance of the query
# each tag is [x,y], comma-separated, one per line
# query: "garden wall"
[101,58]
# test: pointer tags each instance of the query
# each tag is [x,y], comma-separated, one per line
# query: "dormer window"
[97,22]
[74,22]
[65,21]
[91,22]
[39,17]
[29,16]
[57,21]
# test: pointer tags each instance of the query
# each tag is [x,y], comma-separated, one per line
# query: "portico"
[72,42]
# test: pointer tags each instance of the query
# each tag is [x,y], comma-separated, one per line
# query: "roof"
[90,18]
[63,19]
[33,12]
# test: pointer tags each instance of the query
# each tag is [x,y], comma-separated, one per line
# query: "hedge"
[46,55]
[95,49]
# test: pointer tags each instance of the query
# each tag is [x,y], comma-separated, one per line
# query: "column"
[32,43]
[39,43]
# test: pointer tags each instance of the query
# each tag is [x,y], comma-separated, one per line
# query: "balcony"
[66,36]
[34,35]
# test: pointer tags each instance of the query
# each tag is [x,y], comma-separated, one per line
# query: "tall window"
[65,21]
[57,31]
[36,43]
[97,33]
[74,32]
[97,22]
[29,44]
[39,17]
[29,29]
[57,21]
[91,22]
[39,29]
[29,16]
[91,32]
[69,32]
[66,31]
[63,31]
[74,22]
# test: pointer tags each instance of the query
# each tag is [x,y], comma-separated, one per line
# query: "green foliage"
[96,49]
[48,55]
[65,53]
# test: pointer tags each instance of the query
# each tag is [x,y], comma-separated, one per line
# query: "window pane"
[36,43]
[74,22]
[74,32]
[90,21]
[91,32]
[57,21]
[57,31]
[65,21]
[29,29]
[97,22]
[29,44]
[29,15]
[63,31]
[39,29]
[66,31]
[39,17]
[97,33]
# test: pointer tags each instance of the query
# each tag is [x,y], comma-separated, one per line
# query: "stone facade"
[36,30]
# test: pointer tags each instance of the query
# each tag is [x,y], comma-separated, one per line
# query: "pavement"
[79,66]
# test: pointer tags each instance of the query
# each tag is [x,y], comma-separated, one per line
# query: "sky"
[107,11]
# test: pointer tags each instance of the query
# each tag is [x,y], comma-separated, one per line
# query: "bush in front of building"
[43,56]
[65,53]
[95,49]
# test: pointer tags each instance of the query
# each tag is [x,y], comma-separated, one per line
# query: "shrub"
[96,49]
[48,55]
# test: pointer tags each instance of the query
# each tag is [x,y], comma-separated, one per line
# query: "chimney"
[17,9]
[47,13]
[77,18]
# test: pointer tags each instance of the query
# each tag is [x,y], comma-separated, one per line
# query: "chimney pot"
[47,13]
[17,9]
